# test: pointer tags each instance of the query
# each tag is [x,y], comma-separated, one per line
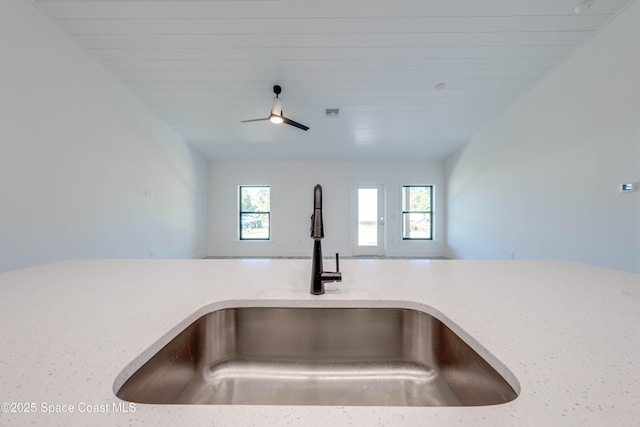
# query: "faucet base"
[317,287]
[318,276]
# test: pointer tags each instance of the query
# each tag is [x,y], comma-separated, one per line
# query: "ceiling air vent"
[332,112]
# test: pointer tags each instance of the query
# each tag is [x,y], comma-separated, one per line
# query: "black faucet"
[319,277]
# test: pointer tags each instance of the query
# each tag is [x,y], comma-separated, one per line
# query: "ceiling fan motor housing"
[277,107]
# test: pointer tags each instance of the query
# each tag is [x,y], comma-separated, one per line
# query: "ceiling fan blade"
[254,120]
[296,124]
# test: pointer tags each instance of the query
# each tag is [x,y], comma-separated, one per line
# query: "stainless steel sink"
[318,356]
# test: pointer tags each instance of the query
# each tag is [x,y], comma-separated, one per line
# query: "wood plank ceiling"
[205,65]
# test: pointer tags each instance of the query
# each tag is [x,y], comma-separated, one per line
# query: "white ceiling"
[205,65]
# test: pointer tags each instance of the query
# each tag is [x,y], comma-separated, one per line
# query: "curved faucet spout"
[317,227]
[317,197]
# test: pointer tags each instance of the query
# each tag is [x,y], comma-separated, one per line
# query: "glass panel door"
[367,217]
[369,220]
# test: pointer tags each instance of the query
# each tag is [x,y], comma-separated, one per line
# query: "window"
[417,202]
[255,212]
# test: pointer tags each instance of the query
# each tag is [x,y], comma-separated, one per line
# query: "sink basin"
[317,356]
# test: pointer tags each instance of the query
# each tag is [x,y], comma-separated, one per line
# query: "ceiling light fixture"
[583,6]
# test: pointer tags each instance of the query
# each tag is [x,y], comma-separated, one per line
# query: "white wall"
[78,153]
[292,186]
[542,179]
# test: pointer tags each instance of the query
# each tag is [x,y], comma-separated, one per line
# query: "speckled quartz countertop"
[569,335]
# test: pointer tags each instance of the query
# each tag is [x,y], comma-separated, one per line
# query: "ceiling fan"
[276,113]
